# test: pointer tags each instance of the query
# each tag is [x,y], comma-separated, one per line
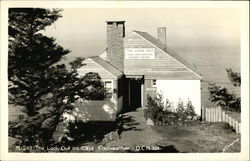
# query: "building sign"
[134,76]
[140,53]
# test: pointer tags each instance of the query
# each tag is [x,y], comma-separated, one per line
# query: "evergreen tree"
[36,82]
[222,97]
[234,77]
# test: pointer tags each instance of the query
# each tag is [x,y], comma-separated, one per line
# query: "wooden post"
[235,121]
[226,118]
[236,127]
[220,114]
[229,120]
[223,116]
[232,123]
[214,114]
[208,115]
[203,113]
[211,114]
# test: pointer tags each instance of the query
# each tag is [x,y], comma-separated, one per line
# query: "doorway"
[135,93]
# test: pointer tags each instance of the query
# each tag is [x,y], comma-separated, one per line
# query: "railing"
[212,114]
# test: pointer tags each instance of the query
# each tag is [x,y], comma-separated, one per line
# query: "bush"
[189,111]
[164,115]
[155,109]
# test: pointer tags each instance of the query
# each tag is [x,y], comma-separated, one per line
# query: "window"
[108,89]
[154,83]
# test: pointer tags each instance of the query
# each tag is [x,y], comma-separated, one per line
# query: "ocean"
[212,64]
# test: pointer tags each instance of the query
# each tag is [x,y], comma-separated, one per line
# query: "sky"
[83,30]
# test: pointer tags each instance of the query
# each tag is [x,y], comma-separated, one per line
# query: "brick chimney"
[161,33]
[115,34]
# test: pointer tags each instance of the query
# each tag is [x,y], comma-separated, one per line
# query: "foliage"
[168,106]
[155,108]
[180,110]
[222,97]
[234,77]
[77,63]
[163,115]
[78,128]
[45,89]
[189,111]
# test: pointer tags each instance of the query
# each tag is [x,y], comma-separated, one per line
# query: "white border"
[243,5]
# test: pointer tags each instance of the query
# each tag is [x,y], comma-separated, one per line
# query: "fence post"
[208,115]
[220,114]
[230,121]
[236,127]
[223,116]
[203,116]
[214,114]
[205,113]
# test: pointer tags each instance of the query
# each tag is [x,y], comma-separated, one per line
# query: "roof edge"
[192,70]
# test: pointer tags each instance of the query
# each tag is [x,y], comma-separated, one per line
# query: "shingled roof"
[106,65]
[167,50]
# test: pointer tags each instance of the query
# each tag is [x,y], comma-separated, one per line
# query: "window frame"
[154,83]
[111,89]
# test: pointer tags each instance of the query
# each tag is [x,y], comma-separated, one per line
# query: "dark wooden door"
[135,94]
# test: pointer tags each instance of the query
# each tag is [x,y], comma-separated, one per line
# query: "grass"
[199,138]
[196,137]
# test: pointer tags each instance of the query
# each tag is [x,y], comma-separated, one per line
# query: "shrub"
[189,111]
[180,110]
[164,115]
[155,109]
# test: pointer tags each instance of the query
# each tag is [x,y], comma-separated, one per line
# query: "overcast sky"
[83,31]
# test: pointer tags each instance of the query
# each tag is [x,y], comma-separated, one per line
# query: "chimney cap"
[118,22]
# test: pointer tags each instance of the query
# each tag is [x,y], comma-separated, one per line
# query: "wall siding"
[91,66]
[174,90]
[100,110]
[162,67]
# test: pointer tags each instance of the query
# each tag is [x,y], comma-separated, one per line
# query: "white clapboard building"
[136,65]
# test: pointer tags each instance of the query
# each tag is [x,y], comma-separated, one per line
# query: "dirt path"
[135,132]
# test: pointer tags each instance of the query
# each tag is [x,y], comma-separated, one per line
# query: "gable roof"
[166,50]
[104,55]
[106,65]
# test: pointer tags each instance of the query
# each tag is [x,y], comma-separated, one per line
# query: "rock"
[189,117]
[196,118]
[48,123]
[150,122]
[13,141]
